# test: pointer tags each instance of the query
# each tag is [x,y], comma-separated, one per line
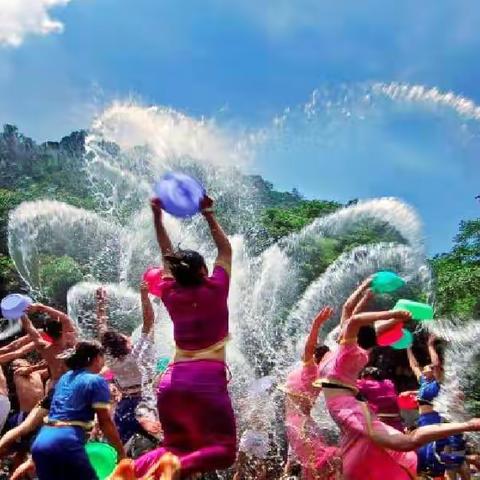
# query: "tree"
[8,200]
[457,274]
[57,275]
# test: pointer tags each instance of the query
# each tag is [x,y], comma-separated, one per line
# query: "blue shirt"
[77,394]
[428,390]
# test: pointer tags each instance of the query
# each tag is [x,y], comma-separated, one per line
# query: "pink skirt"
[319,461]
[197,418]
[363,459]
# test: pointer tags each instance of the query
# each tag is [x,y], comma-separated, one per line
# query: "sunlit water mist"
[271,307]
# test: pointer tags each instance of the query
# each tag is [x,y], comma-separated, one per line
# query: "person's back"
[74,397]
[199,313]
[380,394]
[59,448]
[50,353]
[382,398]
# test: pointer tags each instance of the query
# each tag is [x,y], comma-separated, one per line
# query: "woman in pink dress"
[381,396]
[194,406]
[370,449]
[318,460]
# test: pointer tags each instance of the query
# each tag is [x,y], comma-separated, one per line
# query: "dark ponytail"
[367,337]
[187,267]
[82,355]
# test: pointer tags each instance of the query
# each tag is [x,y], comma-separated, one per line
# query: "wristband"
[208,210]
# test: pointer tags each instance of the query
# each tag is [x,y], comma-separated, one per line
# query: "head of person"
[86,354]
[320,352]
[428,373]
[116,344]
[19,363]
[188,267]
[367,337]
[371,373]
[53,328]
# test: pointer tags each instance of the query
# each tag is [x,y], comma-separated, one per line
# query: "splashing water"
[271,304]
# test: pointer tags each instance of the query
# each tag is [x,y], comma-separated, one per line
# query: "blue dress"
[432,458]
[59,449]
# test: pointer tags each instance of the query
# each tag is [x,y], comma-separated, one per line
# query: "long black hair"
[367,337]
[53,328]
[82,355]
[186,267]
[115,344]
[320,352]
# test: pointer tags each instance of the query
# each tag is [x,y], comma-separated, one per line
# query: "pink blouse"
[199,313]
[380,395]
[300,382]
[344,364]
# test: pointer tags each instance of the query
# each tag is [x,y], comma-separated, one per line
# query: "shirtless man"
[4,400]
[61,329]
[12,351]
[29,380]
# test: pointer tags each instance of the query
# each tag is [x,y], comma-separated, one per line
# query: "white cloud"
[19,18]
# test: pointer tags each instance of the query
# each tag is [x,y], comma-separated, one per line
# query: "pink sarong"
[363,459]
[319,461]
[197,418]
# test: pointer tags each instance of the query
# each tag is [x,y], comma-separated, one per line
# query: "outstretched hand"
[362,304]
[101,294]
[323,315]
[34,307]
[144,287]
[355,299]
[156,206]
[206,202]
[401,314]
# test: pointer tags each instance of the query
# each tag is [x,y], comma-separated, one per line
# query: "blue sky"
[248,60]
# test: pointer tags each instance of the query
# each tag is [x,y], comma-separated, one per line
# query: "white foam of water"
[55,228]
[419,93]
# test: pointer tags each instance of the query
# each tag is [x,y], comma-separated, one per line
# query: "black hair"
[115,344]
[372,372]
[53,328]
[367,337]
[186,267]
[320,352]
[82,355]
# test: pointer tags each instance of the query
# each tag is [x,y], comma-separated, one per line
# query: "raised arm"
[33,333]
[434,358]
[67,323]
[163,239]
[224,248]
[19,353]
[148,315]
[312,339]
[413,363]
[16,344]
[352,303]
[101,303]
[40,367]
[369,318]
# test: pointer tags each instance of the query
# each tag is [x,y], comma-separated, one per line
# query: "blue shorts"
[430,418]
[59,454]
[125,419]
[428,462]
[23,444]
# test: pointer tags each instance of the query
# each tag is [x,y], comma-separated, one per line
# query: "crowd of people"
[65,391]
